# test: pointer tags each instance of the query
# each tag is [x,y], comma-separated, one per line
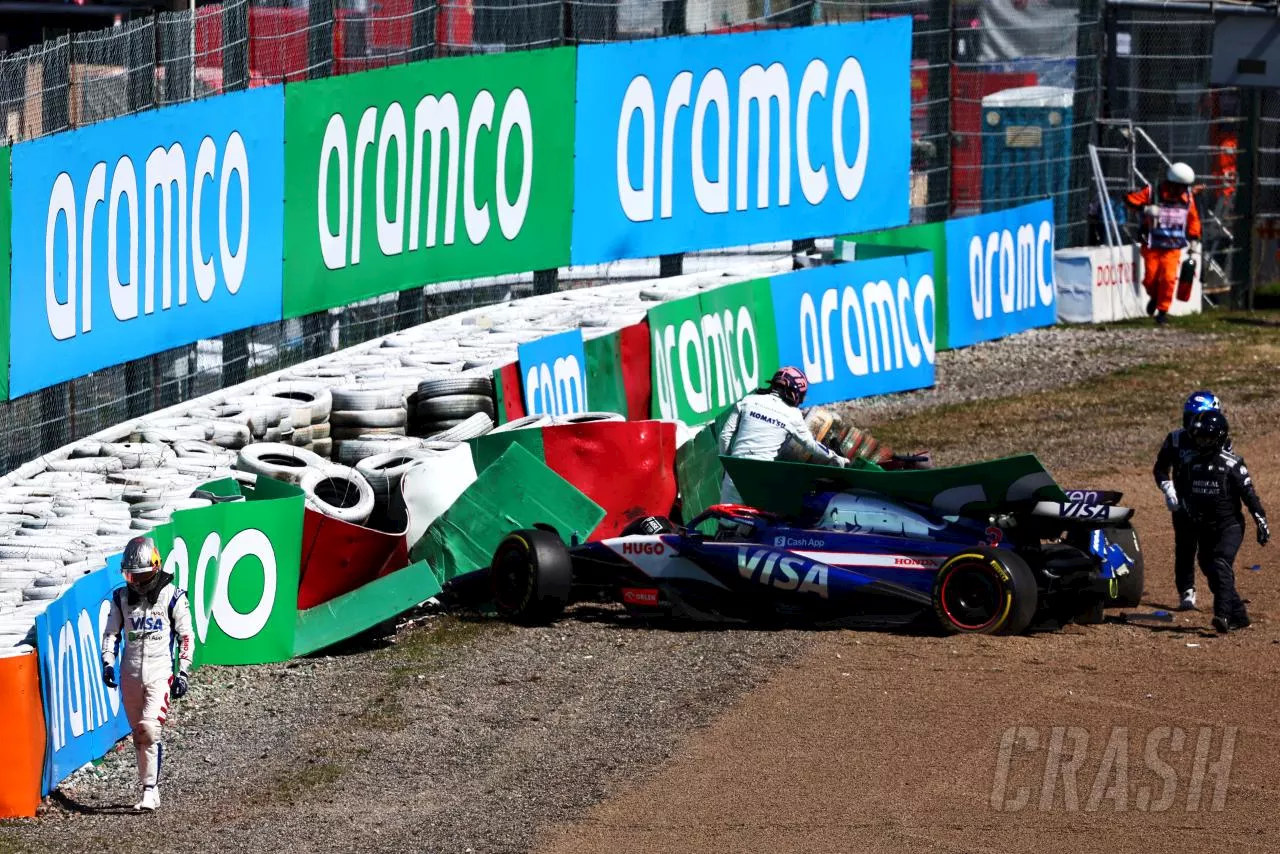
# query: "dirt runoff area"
[591,735]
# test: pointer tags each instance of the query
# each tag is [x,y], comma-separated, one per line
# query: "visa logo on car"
[643,548]
[783,571]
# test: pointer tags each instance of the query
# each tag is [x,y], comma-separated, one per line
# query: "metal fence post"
[320,17]
[235,45]
[941,22]
[1084,110]
[423,32]
[1242,272]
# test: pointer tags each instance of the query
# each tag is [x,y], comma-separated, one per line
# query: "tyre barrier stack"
[345,427]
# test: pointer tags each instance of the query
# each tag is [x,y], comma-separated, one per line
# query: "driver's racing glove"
[1264,531]
[1170,495]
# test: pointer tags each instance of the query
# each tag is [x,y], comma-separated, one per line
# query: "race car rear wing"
[1091,515]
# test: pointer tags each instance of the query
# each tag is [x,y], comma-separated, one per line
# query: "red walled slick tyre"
[530,577]
[985,591]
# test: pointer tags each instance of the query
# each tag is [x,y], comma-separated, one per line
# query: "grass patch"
[299,782]
[414,654]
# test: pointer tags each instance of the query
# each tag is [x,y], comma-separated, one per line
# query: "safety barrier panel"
[668,159]
[995,276]
[434,171]
[144,233]
[22,750]
[1099,284]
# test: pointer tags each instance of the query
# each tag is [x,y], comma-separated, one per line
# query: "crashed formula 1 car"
[994,551]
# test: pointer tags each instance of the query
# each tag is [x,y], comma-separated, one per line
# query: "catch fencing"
[974,147]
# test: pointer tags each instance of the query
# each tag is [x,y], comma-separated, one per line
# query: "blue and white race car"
[847,558]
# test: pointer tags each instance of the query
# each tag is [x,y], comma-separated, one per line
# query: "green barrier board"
[517,490]
[352,613]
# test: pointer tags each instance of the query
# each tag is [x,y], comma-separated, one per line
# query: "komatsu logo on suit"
[783,571]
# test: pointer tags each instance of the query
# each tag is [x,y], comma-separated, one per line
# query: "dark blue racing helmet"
[1197,402]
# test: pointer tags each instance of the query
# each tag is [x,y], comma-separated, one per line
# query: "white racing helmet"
[1181,173]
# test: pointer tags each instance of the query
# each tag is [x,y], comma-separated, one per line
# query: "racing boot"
[1162,318]
[1188,601]
[1221,626]
[150,799]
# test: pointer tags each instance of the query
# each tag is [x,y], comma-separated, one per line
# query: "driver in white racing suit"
[151,612]
[761,422]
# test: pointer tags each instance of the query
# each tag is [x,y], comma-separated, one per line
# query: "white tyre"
[396,417]
[383,471]
[303,435]
[339,492]
[101,465]
[278,461]
[45,594]
[322,447]
[348,433]
[352,451]
[472,428]
[138,455]
[322,431]
[309,393]
[587,417]
[354,399]
[524,422]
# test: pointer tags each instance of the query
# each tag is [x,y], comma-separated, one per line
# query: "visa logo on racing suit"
[783,571]
[146,623]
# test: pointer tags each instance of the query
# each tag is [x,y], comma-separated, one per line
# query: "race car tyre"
[451,406]
[448,386]
[985,591]
[531,576]
[1130,586]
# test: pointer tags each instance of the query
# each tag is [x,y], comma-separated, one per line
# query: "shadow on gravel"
[70,804]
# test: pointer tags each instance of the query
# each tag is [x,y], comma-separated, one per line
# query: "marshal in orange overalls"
[1169,221]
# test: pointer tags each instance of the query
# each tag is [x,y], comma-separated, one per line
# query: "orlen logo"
[172,188]
[723,111]
[1016,268]
[640,596]
[783,571]
[643,548]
